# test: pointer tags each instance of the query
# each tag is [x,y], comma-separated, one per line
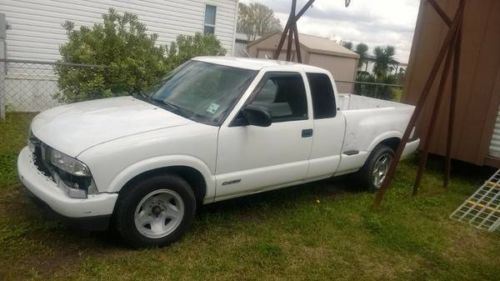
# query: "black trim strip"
[351,152]
[231,182]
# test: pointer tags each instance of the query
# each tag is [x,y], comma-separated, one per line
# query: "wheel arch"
[393,143]
[391,139]
[194,171]
[192,176]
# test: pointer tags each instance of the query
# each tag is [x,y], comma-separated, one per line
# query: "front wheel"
[156,211]
[375,170]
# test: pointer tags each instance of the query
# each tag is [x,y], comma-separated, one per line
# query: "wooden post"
[421,101]
[440,11]
[289,45]
[453,102]
[286,30]
[295,18]
[432,122]
[297,43]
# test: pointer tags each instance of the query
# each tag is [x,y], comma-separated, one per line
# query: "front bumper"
[47,191]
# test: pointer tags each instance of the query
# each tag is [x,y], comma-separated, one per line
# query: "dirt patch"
[467,243]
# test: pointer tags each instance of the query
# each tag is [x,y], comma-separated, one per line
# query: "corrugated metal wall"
[494,150]
[479,85]
[35,25]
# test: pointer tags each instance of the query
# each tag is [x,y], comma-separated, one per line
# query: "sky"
[373,22]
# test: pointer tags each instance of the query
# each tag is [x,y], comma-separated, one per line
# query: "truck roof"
[258,64]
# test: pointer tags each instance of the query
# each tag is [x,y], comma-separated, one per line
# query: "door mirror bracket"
[253,115]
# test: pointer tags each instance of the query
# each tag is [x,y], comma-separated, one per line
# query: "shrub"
[128,57]
[187,47]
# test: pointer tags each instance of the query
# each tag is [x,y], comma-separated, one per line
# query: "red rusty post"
[453,102]
[295,18]
[289,45]
[440,11]
[455,49]
[433,121]
[293,23]
[416,113]
[297,44]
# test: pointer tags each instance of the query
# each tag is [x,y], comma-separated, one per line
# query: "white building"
[34,31]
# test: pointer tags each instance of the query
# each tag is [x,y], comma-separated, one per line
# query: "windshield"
[201,91]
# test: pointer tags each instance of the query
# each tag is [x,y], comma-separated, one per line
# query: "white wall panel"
[36,25]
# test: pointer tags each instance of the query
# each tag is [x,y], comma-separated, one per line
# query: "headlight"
[68,164]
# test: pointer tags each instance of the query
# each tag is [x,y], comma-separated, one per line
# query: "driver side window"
[283,95]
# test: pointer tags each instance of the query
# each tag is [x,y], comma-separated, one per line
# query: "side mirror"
[257,115]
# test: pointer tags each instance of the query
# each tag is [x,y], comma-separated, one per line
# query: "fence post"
[3,63]
[2,88]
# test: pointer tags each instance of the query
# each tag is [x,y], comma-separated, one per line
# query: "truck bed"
[354,102]
[368,122]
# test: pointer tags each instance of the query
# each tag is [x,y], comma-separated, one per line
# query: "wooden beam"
[297,43]
[304,9]
[291,18]
[441,12]
[453,99]
[416,113]
[289,45]
[432,123]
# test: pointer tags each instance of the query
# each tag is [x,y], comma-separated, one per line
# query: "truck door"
[329,127]
[252,158]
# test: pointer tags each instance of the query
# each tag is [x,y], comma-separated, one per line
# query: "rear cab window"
[323,97]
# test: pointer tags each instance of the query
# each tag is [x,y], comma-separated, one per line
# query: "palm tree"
[347,44]
[384,58]
[361,50]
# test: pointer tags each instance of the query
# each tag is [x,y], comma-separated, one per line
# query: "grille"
[41,159]
[40,153]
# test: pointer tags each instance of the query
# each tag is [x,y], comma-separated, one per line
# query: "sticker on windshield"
[212,108]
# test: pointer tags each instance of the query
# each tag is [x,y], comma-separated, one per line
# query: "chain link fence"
[376,90]
[32,86]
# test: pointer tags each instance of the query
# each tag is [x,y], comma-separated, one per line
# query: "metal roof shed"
[317,51]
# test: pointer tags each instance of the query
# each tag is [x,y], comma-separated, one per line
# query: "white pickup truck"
[213,129]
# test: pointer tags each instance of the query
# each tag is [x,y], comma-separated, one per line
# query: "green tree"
[256,19]
[187,47]
[362,51]
[130,58]
[401,76]
[347,44]
[384,59]
[376,85]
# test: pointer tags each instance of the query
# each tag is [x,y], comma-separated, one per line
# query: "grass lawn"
[318,231]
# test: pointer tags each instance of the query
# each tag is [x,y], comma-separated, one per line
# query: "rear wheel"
[156,211]
[375,170]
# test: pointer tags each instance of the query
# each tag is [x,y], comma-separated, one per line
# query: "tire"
[370,178]
[155,212]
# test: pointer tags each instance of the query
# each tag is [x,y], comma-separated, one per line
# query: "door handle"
[307,133]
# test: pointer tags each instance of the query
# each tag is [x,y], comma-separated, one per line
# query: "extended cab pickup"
[215,128]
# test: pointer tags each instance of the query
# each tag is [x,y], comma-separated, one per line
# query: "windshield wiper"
[172,106]
[140,95]
[168,106]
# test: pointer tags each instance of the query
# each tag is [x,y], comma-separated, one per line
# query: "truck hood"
[75,127]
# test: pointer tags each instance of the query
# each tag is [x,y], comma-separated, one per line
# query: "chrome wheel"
[159,213]
[380,169]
